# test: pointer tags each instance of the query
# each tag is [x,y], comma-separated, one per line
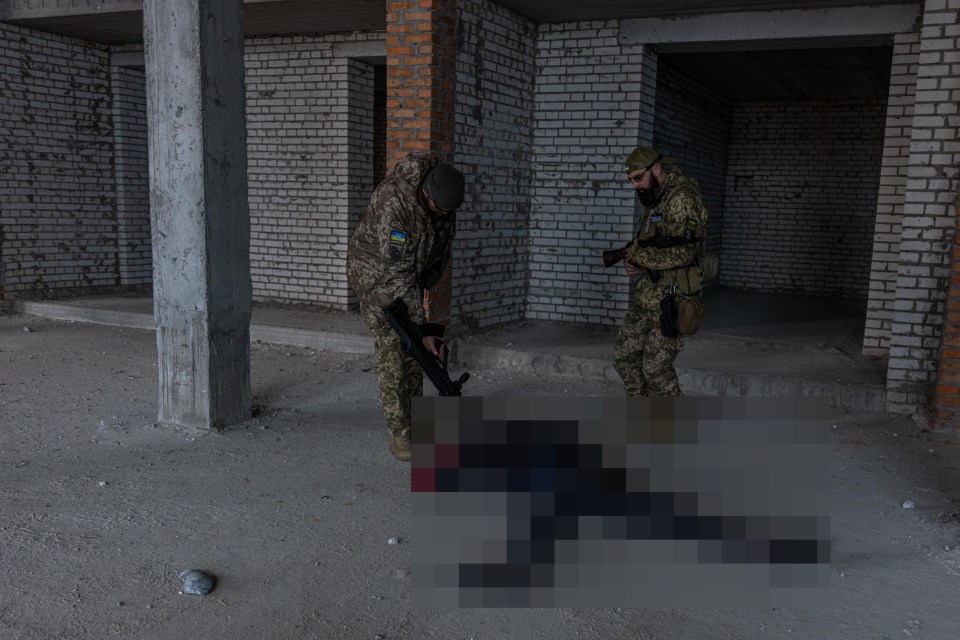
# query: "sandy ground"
[99,510]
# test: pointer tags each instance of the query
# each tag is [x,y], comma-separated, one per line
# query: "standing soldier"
[645,349]
[400,248]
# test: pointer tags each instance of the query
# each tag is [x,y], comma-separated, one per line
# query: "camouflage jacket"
[399,249]
[680,212]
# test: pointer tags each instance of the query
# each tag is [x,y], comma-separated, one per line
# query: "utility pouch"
[710,266]
[668,316]
[689,315]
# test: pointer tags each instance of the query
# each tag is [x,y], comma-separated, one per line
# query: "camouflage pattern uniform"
[397,251]
[642,355]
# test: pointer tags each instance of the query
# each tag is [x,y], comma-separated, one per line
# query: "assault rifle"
[411,337]
[613,256]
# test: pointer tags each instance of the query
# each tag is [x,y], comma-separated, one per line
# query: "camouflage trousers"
[644,357]
[399,375]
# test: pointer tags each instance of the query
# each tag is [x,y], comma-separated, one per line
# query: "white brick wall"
[594,102]
[361,174]
[929,213]
[311,165]
[693,126]
[130,166]
[57,206]
[494,120]
[893,187]
[298,135]
[801,197]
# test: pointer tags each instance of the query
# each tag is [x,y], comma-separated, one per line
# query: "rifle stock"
[411,338]
[613,256]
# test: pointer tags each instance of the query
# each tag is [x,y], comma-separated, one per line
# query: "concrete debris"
[908,504]
[393,541]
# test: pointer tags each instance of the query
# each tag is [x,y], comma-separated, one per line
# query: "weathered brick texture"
[936,143]
[421,95]
[311,148]
[130,167]
[58,223]
[593,103]
[310,158]
[495,72]
[890,197]
[920,330]
[693,126]
[801,197]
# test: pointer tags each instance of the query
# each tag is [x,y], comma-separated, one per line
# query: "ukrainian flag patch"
[398,240]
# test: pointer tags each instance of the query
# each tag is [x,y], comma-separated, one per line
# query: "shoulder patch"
[398,240]
[690,228]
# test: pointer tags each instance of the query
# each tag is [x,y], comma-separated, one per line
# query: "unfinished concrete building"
[824,134]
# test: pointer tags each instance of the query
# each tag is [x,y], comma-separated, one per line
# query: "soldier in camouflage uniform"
[673,206]
[400,248]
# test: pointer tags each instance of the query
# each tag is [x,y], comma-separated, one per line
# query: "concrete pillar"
[421,95]
[199,211]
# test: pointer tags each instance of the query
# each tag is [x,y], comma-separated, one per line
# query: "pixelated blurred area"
[598,502]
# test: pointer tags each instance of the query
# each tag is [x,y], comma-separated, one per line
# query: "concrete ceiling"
[860,73]
[570,10]
[813,73]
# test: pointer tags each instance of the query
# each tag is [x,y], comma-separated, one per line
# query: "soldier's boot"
[400,445]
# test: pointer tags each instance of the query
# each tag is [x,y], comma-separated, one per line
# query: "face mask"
[648,197]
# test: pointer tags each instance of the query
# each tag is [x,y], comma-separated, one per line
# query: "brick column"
[890,198]
[421,96]
[947,401]
[923,357]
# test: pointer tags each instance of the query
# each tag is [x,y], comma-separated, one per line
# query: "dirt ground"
[292,511]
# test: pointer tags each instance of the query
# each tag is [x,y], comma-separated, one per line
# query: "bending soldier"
[400,248]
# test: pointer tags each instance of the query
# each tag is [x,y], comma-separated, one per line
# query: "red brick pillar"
[946,410]
[421,91]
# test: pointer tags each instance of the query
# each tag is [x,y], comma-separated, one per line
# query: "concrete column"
[199,211]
